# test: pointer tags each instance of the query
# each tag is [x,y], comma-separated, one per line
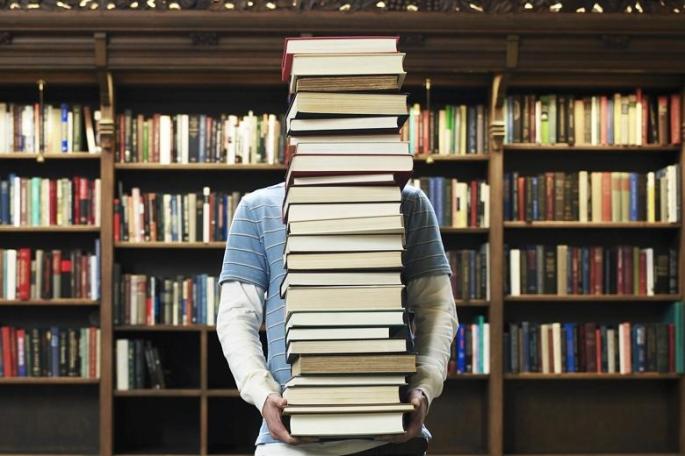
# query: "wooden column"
[681,271]
[106,243]
[495,173]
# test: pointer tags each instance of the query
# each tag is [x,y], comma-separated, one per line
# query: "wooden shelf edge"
[162,328]
[170,245]
[150,392]
[590,225]
[593,376]
[48,381]
[593,298]
[50,229]
[50,302]
[455,376]
[528,147]
[198,167]
[470,230]
[431,158]
[222,392]
[50,156]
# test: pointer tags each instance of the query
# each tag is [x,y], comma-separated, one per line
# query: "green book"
[480,321]
[552,119]
[78,128]
[146,138]
[544,119]
[35,201]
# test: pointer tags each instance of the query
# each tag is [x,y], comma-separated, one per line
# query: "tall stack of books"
[346,329]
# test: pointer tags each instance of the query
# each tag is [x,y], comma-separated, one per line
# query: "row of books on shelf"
[451,130]
[470,353]
[141,299]
[27,273]
[594,196]
[590,270]
[470,273]
[37,201]
[568,347]
[52,351]
[52,129]
[618,119]
[457,204]
[174,217]
[200,138]
[138,365]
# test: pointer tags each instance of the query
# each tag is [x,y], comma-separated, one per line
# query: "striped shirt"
[254,254]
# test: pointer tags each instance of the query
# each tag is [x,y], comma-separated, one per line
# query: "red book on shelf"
[52,186]
[598,350]
[620,282]
[575,270]
[24,272]
[675,119]
[473,222]
[582,354]
[521,193]
[662,119]
[6,356]
[644,128]
[83,201]
[288,52]
[92,352]
[549,196]
[599,276]
[13,352]
[603,120]
[117,221]
[606,197]
[425,131]
[643,273]
[671,347]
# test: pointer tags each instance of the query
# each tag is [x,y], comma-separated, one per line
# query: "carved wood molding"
[347,6]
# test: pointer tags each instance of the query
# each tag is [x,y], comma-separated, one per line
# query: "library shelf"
[48,381]
[590,225]
[162,392]
[593,376]
[432,158]
[455,376]
[50,302]
[169,245]
[50,229]
[199,167]
[223,392]
[51,156]
[467,230]
[163,328]
[529,147]
[471,302]
[592,298]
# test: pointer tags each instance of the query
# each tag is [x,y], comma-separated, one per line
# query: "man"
[253,268]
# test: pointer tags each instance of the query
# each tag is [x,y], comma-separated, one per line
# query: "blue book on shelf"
[633,197]
[439,189]
[534,191]
[203,282]
[54,351]
[64,114]
[568,333]
[585,269]
[641,337]
[471,141]
[461,350]
[4,203]
[610,121]
[525,348]
[202,135]
[21,363]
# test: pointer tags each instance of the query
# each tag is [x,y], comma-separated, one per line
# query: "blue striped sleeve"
[245,258]
[424,254]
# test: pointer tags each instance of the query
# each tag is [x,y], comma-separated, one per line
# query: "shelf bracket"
[106,84]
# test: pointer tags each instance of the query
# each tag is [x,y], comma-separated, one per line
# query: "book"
[344,298]
[343,260]
[138,365]
[389,224]
[328,279]
[353,364]
[341,395]
[345,424]
[343,319]
[344,243]
[339,380]
[324,211]
[295,334]
[399,166]
[330,347]
[310,105]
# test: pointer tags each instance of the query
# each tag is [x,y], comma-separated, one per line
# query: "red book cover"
[643,273]
[662,119]
[24,272]
[287,59]
[606,197]
[521,193]
[13,352]
[645,118]
[92,352]
[603,119]
[575,269]
[675,118]
[117,221]
[53,201]
[593,273]
[628,270]
[549,196]
[148,308]
[474,204]
[671,347]
[620,285]
[75,200]
[598,349]
[56,271]
[83,200]
[425,131]
[6,365]
[599,276]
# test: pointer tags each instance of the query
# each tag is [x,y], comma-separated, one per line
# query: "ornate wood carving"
[456,6]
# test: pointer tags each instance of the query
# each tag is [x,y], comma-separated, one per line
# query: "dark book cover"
[63,356]
[518,119]
[139,364]
[590,347]
[662,348]
[525,119]
[559,195]
[541,197]
[562,119]
[604,347]
[651,347]
[194,138]
[507,351]
[550,282]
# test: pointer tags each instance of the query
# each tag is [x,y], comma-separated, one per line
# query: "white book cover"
[611,351]
[166,204]
[122,365]
[205,215]
[582,196]
[638,123]
[45,202]
[486,348]
[515,272]
[176,295]
[98,351]
[165,139]
[556,345]
[671,178]
[16,199]
[97,210]
[475,337]
[649,254]
[211,305]
[192,219]
[485,198]
[11,262]
[621,352]
[594,121]
[651,200]
[544,348]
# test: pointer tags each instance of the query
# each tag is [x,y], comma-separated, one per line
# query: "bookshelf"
[124,60]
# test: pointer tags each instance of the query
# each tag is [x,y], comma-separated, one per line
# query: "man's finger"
[279,432]
[280,402]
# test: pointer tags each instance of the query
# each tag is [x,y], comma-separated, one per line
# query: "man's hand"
[273,415]
[414,419]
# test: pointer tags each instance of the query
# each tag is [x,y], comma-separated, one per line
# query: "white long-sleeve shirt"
[241,315]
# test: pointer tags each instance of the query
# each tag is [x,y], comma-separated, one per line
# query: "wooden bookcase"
[147,61]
